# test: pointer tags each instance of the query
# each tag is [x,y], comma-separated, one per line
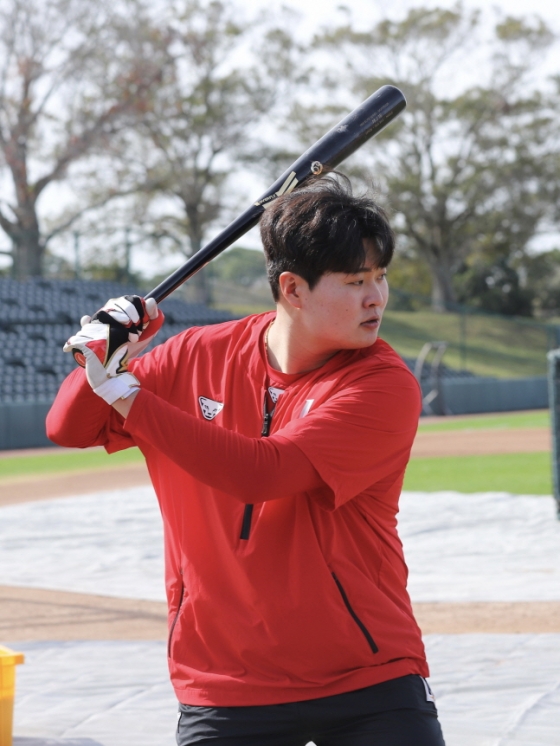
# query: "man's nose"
[374,297]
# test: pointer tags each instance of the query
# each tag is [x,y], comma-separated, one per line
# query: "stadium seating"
[37,317]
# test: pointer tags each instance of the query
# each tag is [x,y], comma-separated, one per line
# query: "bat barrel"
[366,121]
[373,115]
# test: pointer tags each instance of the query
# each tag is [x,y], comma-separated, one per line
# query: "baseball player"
[277,446]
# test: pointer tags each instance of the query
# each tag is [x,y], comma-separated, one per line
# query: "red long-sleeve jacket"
[285,575]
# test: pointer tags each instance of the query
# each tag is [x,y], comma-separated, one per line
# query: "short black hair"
[320,228]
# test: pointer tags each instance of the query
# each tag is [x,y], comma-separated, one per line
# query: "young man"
[277,447]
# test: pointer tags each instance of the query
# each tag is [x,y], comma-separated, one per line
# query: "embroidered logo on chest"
[209,407]
[274,393]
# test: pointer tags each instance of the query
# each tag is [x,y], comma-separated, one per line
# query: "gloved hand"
[119,384]
[116,333]
[127,320]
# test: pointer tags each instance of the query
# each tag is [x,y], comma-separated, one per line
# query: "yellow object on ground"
[8,661]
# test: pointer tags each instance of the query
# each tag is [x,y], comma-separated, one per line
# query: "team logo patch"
[274,393]
[209,407]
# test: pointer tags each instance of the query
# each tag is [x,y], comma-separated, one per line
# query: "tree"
[72,75]
[466,166]
[240,266]
[540,273]
[201,121]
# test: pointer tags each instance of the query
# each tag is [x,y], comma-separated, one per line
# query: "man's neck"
[289,348]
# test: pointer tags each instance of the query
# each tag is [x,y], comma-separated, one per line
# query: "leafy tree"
[203,118]
[540,273]
[496,288]
[467,167]
[409,281]
[71,75]
[239,265]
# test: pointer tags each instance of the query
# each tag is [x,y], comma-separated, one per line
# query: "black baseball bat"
[375,113]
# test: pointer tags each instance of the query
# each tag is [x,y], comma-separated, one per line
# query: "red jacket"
[304,594]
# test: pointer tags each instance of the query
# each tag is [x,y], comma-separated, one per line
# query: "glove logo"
[209,407]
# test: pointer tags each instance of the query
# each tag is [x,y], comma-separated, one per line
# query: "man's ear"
[292,288]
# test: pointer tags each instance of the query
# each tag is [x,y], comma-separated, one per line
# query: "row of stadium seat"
[37,317]
[65,302]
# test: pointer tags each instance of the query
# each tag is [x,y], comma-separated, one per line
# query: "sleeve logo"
[306,407]
[209,407]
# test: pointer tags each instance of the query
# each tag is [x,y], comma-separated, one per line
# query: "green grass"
[519,473]
[507,421]
[240,310]
[239,300]
[485,345]
[528,473]
[62,461]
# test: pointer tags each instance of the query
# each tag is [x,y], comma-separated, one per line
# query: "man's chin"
[366,340]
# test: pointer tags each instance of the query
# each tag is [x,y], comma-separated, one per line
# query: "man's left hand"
[110,386]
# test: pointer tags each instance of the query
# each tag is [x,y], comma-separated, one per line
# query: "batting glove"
[129,320]
[109,385]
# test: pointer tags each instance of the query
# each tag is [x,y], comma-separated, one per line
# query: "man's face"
[343,311]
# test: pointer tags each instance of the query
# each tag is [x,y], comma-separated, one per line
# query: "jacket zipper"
[355,617]
[248,512]
[175,618]
[246,523]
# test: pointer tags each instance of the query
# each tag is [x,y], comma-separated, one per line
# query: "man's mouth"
[371,323]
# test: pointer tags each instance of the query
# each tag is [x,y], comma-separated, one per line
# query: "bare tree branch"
[73,75]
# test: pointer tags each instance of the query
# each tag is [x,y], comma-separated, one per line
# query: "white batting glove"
[126,321]
[113,384]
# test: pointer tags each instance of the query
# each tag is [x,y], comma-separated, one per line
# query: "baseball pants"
[399,712]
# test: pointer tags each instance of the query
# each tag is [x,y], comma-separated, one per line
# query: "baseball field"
[474,453]
[74,593]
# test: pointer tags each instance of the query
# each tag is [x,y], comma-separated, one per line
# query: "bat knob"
[316,168]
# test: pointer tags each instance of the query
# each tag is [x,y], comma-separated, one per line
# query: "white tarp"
[492,690]
[108,543]
[485,547]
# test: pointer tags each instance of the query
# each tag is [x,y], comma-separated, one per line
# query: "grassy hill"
[482,344]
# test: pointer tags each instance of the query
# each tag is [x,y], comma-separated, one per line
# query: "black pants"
[394,713]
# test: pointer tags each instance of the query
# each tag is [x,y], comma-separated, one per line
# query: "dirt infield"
[46,486]
[38,614]
[481,442]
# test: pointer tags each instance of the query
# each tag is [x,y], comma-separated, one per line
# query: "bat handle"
[235,230]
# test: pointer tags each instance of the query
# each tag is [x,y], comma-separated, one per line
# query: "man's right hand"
[119,331]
